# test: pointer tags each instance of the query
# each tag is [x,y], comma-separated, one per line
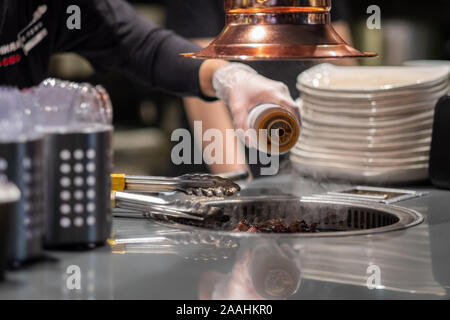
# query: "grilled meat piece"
[277,226]
[242,227]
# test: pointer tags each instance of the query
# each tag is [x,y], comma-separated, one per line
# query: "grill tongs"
[133,193]
[148,204]
[191,184]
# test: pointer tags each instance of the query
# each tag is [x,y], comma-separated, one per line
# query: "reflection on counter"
[274,268]
[404,262]
[68,278]
[267,271]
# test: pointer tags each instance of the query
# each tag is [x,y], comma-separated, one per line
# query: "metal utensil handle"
[160,184]
[138,199]
[168,183]
[144,179]
[173,213]
[146,204]
[236,175]
[122,182]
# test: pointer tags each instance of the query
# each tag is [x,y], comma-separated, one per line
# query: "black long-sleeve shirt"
[112,37]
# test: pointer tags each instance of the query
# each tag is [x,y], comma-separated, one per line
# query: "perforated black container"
[22,164]
[78,188]
[9,196]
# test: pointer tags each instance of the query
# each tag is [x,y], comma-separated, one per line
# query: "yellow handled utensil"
[191,184]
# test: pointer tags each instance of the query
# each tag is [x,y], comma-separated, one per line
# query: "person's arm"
[207,71]
[215,115]
[113,36]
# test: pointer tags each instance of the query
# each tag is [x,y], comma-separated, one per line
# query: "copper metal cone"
[276,30]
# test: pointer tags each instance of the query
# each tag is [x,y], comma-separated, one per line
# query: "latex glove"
[242,89]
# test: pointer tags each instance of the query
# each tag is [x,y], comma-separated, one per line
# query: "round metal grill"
[333,218]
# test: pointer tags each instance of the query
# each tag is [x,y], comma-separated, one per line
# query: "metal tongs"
[191,184]
[199,185]
[147,204]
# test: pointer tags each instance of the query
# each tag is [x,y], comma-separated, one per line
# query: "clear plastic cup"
[71,107]
[16,117]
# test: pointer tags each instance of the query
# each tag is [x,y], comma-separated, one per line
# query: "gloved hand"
[242,89]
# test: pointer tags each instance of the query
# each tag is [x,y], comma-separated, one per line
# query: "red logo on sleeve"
[9,61]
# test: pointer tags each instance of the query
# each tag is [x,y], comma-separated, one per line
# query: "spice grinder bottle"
[277,129]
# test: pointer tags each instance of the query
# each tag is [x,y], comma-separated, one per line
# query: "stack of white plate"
[367,124]
[429,63]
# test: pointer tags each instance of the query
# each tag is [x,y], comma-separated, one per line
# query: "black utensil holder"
[22,164]
[78,188]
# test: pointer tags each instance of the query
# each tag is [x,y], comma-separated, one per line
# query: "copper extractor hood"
[278,30]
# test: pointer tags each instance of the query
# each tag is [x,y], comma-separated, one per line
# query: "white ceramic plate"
[350,166]
[402,137]
[352,122]
[345,99]
[362,132]
[327,77]
[391,176]
[366,120]
[371,110]
[393,154]
[355,146]
[427,63]
[385,97]
[359,161]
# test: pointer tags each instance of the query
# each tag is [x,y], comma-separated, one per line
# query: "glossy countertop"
[147,260]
